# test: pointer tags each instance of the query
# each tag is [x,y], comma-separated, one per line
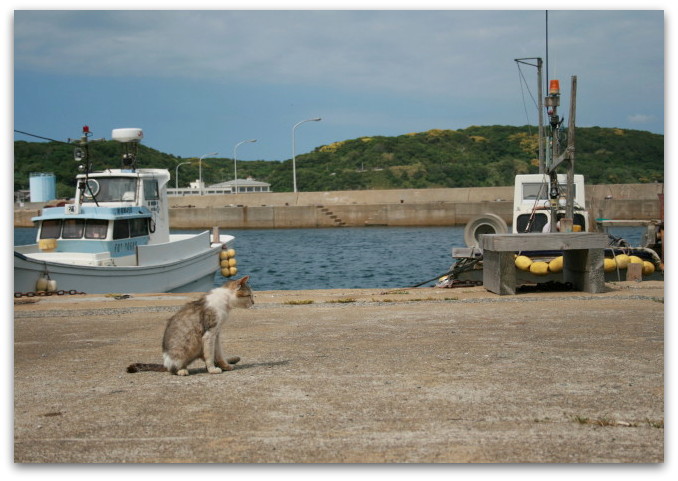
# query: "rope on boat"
[462,265]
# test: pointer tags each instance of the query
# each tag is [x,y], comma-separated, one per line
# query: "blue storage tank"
[43,187]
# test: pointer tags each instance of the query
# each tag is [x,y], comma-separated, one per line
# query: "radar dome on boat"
[128,135]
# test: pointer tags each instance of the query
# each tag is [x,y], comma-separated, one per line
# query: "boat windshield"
[112,189]
[539,190]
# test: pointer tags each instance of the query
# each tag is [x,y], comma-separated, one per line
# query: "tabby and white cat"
[194,332]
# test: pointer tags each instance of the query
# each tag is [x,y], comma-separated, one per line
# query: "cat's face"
[243,292]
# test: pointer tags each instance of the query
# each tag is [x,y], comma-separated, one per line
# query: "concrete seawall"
[408,207]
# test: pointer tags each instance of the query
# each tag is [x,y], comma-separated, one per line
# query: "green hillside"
[471,157]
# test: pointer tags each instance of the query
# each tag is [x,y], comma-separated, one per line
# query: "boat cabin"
[531,203]
[115,211]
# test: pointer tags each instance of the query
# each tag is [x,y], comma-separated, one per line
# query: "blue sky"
[202,81]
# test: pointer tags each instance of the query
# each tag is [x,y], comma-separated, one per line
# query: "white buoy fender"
[41,284]
[483,224]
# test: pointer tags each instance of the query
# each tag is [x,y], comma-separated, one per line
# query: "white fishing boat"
[532,213]
[550,202]
[115,236]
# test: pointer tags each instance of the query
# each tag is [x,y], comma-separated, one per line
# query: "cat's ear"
[243,280]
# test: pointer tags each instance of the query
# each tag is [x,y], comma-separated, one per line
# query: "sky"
[203,81]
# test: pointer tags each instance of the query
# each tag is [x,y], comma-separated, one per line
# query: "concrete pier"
[364,208]
[350,376]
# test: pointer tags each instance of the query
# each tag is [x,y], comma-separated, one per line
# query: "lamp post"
[200,168]
[176,174]
[235,165]
[294,161]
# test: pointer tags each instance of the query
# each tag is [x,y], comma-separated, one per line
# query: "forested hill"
[471,157]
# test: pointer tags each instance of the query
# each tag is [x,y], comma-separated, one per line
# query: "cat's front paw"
[233,360]
[214,370]
[182,372]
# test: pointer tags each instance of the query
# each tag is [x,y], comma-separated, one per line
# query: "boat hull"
[193,273]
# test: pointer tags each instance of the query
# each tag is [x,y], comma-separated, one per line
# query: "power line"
[40,137]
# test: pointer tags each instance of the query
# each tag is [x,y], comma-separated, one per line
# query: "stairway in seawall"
[331,215]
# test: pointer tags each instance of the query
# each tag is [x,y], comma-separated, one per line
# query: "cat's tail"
[140,366]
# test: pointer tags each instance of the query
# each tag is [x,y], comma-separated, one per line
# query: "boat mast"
[81,154]
[550,156]
[540,106]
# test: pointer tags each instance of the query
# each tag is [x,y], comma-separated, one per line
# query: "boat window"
[121,229]
[534,191]
[115,189]
[539,190]
[537,225]
[138,227]
[73,228]
[96,229]
[151,189]
[580,221]
[51,229]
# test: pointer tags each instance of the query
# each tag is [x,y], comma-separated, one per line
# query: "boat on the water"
[115,236]
[532,213]
[550,202]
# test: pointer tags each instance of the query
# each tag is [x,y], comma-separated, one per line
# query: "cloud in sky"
[254,73]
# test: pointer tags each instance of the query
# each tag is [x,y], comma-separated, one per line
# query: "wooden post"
[634,272]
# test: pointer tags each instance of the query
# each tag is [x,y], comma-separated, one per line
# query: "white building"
[244,186]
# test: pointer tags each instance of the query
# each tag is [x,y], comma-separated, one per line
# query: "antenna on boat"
[81,155]
[129,138]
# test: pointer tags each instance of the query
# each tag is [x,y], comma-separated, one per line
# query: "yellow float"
[609,265]
[622,261]
[648,268]
[47,245]
[556,265]
[523,263]
[635,260]
[539,268]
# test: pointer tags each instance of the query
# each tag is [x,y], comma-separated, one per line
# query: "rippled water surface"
[347,257]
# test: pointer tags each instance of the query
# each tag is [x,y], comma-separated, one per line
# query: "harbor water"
[367,257]
[349,257]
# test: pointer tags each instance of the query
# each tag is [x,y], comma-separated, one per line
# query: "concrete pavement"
[350,376]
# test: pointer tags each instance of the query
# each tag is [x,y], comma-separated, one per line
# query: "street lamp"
[176,174]
[235,165]
[200,168]
[294,161]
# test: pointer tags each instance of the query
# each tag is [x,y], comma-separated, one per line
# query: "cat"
[194,332]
